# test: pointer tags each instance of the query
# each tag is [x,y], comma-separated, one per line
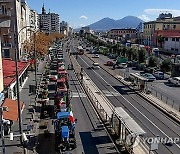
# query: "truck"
[121,62]
[64,127]
[80,50]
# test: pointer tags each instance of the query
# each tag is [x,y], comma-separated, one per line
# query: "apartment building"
[1,78]
[172,44]
[14,15]
[165,22]
[49,22]
[122,33]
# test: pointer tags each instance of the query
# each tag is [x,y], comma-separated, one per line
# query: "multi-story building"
[34,20]
[49,22]
[1,71]
[64,28]
[14,15]
[1,78]
[123,34]
[172,44]
[165,22]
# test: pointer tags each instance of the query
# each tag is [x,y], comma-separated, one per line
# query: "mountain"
[108,23]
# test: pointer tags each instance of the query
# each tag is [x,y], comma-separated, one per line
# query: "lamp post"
[5,108]
[17,81]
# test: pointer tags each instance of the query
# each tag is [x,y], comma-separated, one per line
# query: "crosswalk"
[110,93]
[76,94]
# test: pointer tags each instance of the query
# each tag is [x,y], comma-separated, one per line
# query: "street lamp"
[4,108]
[17,81]
[35,56]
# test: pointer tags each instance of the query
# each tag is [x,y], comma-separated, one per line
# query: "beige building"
[163,22]
[14,15]
[1,71]
[123,34]
[49,22]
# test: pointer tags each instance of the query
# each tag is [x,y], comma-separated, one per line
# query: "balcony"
[5,14]
[5,1]
[6,45]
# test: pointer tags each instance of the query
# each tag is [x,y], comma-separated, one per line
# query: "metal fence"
[164,98]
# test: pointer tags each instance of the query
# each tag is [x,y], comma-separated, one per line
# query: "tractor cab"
[60,60]
[63,74]
[61,64]
[61,84]
[62,68]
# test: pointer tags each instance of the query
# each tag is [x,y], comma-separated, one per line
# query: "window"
[6,53]
[176,49]
[166,39]
[177,39]
[172,49]
[174,26]
[173,39]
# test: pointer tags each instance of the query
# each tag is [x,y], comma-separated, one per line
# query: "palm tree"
[160,40]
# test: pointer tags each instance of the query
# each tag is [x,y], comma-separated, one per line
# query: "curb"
[161,108]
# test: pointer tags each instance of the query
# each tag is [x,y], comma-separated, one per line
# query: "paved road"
[90,140]
[149,118]
[170,94]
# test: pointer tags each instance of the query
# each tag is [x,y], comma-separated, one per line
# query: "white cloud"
[83,17]
[158,11]
[78,26]
[144,18]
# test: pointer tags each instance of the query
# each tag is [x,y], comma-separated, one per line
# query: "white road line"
[134,107]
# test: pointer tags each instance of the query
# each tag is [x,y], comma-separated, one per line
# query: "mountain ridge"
[107,23]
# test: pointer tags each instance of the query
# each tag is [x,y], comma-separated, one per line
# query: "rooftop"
[9,70]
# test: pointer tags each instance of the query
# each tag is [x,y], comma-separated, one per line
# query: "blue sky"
[83,12]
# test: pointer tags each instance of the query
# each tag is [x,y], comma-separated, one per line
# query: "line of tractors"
[64,123]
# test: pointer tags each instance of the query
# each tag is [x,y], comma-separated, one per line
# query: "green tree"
[152,61]
[141,56]
[166,65]
[160,40]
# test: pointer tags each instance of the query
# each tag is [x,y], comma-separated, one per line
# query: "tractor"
[64,127]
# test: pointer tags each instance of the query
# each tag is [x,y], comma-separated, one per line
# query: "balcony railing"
[5,1]
[5,14]
[6,45]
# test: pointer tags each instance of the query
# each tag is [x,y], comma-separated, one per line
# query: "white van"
[96,65]
[175,80]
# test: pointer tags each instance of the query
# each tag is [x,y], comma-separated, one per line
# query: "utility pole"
[35,62]
[2,130]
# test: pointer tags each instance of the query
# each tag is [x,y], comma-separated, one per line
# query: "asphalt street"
[160,88]
[148,117]
[90,139]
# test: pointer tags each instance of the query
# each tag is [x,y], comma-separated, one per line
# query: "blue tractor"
[64,127]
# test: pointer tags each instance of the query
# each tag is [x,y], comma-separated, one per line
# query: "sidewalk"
[14,146]
[150,98]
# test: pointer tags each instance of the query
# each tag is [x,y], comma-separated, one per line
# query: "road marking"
[110,93]
[76,94]
[134,106]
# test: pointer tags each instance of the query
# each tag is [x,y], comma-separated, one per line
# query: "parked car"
[175,81]
[148,76]
[96,56]
[159,75]
[109,63]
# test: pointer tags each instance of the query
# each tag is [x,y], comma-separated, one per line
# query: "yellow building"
[163,22]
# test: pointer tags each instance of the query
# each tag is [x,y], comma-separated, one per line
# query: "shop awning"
[12,105]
